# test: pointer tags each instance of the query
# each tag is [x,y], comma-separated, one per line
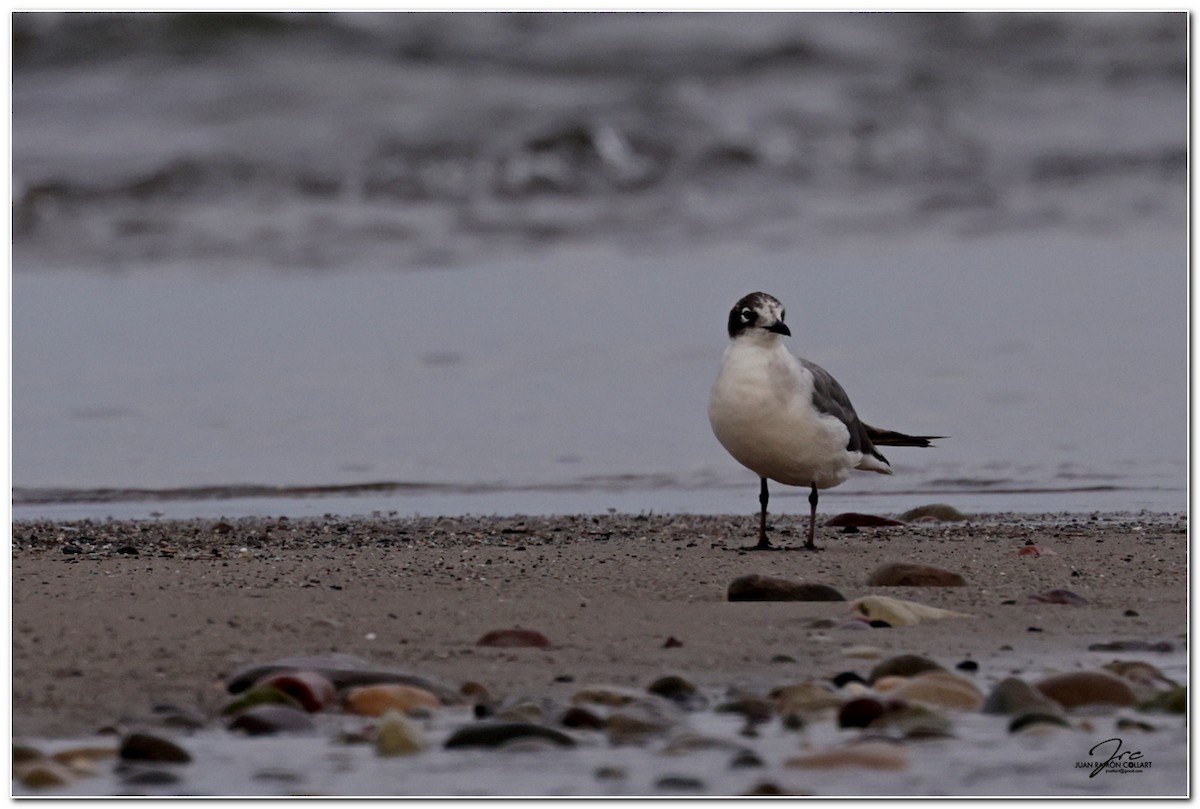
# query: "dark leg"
[811,545]
[763,542]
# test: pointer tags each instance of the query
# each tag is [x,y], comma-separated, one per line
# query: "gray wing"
[829,397]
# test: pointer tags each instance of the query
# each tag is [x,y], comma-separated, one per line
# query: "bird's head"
[758,314]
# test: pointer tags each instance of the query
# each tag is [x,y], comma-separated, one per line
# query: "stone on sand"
[756,587]
[909,574]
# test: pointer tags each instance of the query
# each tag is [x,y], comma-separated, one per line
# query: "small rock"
[863,652]
[753,708]
[398,736]
[679,690]
[376,700]
[943,689]
[859,713]
[1132,646]
[903,666]
[1086,688]
[934,512]
[128,550]
[867,755]
[79,758]
[805,698]
[755,587]
[912,721]
[146,747]
[1058,596]
[1029,549]
[577,717]
[514,638]
[1013,696]
[608,695]
[1173,701]
[672,643]
[899,612]
[846,677]
[1037,721]
[857,520]
[746,758]
[266,720]
[260,695]
[609,774]
[679,783]
[967,665]
[22,753]
[907,574]
[494,734]
[42,774]
[1125,723]
[71,549]
[311,690]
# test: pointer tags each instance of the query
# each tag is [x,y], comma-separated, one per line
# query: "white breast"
[761,411]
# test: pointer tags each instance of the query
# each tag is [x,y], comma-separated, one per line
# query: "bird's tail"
[891,438]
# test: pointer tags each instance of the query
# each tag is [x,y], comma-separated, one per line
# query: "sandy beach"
[111,619]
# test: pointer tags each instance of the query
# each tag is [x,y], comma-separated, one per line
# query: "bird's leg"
[811,545]
[763,542]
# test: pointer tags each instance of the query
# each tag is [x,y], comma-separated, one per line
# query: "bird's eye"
[783,314]
[747,315]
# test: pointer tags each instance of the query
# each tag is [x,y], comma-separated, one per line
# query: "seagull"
[787,419]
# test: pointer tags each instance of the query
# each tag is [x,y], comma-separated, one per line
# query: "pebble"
[311,690]
[907,665]
[1036,721]
[679,783]
[343,670]
[857,520]
[609,695]
[1132,646]
[846,677]
[754,708]
[805,698]
[376,700]
[943,689]
[1077,688]
[680,691]
[866,755]
[22,753]
[398,735]
[1058,596]
[907,574]
[82,758]
[260,695]
[1013,696]
[577,717]
[514,638]
[756,587]
[863,652]
[494,734]
[148,777]
[899,612]
[1173,701]
[933,512]
[859,713]
[266,720]
[147,747]
[42,774]
[913,721]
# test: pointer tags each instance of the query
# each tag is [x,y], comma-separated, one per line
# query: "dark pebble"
[847,677]
[903,666]
[680,691]
[672,643]
[968,665]
[1132,646]
[145,747]
[1059,596]
[859,713]
[128,550]
[746,758]
[514,638]
[1035,629]
[1025,720]
[756,709]
[679,783]
[487,734]
[858,520]
[266,720]
[72,549]
[906,574]
[755,587]
[1130,613]
[783,659]
[581,718]
[851,529]
[879,623]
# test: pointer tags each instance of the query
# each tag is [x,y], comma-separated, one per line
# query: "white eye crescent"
[747,315]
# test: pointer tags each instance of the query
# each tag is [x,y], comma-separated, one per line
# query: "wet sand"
[111,618]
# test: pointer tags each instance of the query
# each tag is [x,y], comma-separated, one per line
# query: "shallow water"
[492,261]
